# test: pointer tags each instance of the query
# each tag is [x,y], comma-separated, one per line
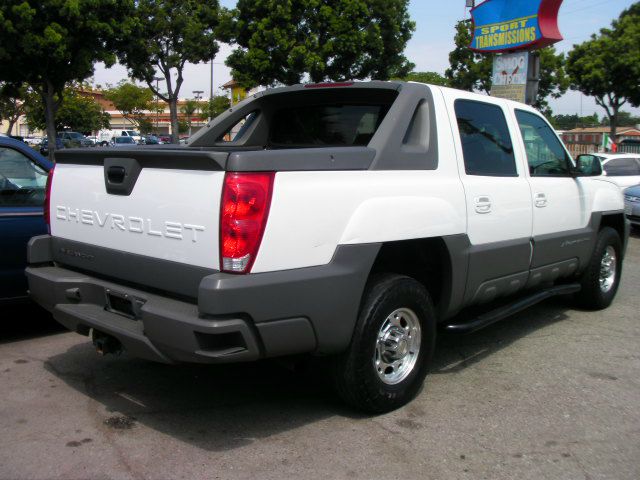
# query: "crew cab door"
[498,198]
[560,203]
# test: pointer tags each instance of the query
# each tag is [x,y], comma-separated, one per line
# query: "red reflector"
[47,199]
[246,198]
[328,85]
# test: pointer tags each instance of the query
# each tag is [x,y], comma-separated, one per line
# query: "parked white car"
[623,169]
[106,136]
[32,140]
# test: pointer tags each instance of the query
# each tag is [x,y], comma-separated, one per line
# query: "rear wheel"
[391,348]
[601,279]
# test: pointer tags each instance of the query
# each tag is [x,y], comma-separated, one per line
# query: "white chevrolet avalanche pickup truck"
[351,221]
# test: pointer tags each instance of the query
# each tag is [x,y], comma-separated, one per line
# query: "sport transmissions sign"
[508,25]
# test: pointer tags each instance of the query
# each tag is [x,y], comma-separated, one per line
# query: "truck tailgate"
[171,212]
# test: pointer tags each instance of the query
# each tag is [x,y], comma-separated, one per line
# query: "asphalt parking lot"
[553,393]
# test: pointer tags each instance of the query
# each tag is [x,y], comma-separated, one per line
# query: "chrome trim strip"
[21,214]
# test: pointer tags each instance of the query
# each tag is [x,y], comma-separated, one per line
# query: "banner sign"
[509,77]
[508,25]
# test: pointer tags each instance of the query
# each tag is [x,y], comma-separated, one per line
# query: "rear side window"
[621,167]
[326,125]
[486,143]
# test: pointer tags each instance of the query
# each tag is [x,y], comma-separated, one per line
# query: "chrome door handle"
[483,204]
[540,200]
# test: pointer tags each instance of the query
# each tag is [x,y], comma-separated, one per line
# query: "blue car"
[632,205]
[23,179]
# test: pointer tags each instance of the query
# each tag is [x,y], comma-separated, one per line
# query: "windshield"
[133,133]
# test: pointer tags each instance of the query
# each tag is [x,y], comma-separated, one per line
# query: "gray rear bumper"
[236,317]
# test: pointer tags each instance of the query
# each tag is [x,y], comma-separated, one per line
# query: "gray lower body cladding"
[236,317]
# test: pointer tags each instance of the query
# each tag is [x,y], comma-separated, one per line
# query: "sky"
[430,46]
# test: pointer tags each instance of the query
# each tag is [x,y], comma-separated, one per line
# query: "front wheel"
[391,348]
[601,279]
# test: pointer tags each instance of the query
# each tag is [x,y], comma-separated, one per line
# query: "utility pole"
[211,81]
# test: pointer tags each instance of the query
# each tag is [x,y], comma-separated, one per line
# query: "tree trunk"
[173,113]
[12,122]
[50,107]
[614,123]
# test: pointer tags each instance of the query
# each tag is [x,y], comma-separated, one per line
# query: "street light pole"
[157,79]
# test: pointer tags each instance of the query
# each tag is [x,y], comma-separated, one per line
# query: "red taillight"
[47,199]
[244,209]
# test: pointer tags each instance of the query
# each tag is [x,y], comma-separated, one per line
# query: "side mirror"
[588,166]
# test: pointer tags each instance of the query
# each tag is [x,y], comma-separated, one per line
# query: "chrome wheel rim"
[608,269]
[397,346]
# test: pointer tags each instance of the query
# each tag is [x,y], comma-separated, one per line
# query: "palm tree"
[189,108]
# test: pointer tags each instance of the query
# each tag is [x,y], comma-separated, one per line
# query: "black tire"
[591,296]
[355,374]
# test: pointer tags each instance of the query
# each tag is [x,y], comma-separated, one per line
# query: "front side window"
[486,143]
[22,182]
[545,154]
[621,167]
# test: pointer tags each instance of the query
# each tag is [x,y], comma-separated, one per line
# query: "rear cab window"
[339,124]
[310,119]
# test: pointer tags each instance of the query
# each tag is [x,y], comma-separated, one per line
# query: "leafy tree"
[145,125]
[12,105]
[167,34]
[432,78]
[79,112]
[284,42]
[49,43]
[624,118]
[215,106]
[468,70]
[607,66]
[183,126]
[554,81]
[569,122]
[130,100]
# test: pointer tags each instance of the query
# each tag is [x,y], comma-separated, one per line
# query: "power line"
[588,7]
